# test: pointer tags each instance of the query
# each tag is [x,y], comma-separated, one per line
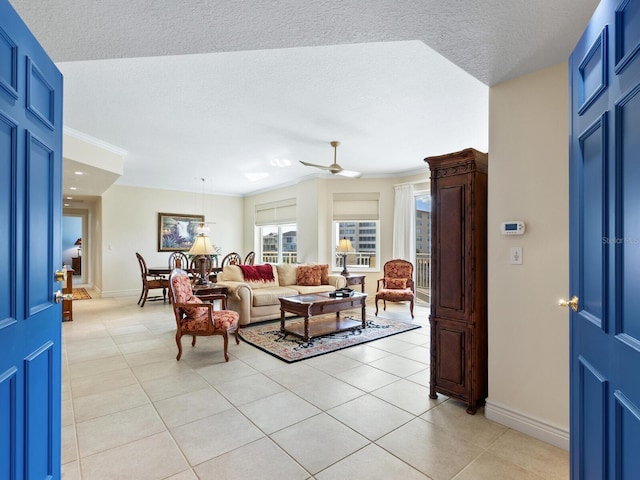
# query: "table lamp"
[201,248]
[79,245]
[344,247]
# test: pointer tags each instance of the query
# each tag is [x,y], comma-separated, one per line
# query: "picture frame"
[177,231]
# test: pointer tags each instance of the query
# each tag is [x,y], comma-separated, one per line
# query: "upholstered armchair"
[397,284]
[197,318]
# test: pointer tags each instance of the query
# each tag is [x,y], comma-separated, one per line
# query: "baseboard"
[120,293]
[525,424]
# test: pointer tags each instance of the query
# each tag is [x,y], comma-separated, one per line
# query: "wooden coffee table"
[314,304]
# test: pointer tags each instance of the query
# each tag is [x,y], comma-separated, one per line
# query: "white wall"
[130,225]
[528,180]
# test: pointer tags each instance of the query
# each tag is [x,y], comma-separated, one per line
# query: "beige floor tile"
[367,378]
[490,467]
[67,417]
[278,411]
[399,366]
[327,393]
[153,457]
[256,358]
[102,382]
[191,406]
[69,447]
[319,441]
[94,367]
[136,359]
[261,459]
[186,475]
[408,396]
[173,385]
[70,471]
[104,403]
[392,344]
[226,371]
[418,354]
[164,368]
[209,437]
[476,429]
[370,416]
[117,429]
[333,363]
[430,449]
[421,378]
[149,344]
[248,389]
[364,353]
[533,455]
[295,374]
[371,462]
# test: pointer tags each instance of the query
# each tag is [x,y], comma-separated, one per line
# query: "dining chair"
[232,258]
[397,284]
[250,258]
[196,317]
[150,282]
[178,260]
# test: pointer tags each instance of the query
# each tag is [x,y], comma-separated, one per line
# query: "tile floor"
[131,411]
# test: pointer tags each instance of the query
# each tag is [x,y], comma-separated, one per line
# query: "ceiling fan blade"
[349,173]
[323,167]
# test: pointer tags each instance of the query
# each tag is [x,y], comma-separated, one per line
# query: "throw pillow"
[324,274]
[287,274]
[308,275]
[395,283]
[194,312]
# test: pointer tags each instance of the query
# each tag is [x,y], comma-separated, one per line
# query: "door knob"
[61,275]
[573,303]
[63,296]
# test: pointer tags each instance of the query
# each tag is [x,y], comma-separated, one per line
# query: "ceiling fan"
[334,168]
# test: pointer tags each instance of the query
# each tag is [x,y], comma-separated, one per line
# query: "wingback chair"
[150,282]
[397,284]
[197,318]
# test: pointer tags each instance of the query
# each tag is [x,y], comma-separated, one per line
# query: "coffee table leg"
[306,329]
[364,315]
[281,321]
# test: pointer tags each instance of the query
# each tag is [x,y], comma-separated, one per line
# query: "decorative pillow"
[394,283]
[287,274]
[324,274]
[308,275]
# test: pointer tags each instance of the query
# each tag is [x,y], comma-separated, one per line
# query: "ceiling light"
[69,198]
[66,204]
[73,188]
[79,173]
[280,162]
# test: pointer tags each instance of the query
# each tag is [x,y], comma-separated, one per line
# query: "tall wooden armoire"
[459,276]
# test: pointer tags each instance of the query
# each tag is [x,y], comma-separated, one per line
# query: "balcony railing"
[287,257]
[423,277]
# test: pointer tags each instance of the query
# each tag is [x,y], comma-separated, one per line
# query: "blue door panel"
[627,424]
[8,413]
[593,220]
[593,407]
[628,33]
[8,65]
[7,166]
[628,117]
[592,79]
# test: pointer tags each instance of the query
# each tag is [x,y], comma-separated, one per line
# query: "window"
[356,217]
[278,243]
[277,232]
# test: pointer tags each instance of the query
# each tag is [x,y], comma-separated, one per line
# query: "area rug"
[81,294]
[291,348]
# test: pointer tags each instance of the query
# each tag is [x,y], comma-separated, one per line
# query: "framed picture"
[176,231]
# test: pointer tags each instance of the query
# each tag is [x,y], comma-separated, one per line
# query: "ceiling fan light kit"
[334,168]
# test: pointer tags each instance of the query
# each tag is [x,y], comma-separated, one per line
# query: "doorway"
[73,243]
[423,247]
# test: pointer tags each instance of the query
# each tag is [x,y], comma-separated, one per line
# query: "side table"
[357,279]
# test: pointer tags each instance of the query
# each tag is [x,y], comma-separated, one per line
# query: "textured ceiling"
[227,90]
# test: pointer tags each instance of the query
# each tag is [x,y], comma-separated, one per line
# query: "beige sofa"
[256,301]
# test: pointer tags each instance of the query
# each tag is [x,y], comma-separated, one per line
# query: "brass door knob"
[59,296]
[573,303]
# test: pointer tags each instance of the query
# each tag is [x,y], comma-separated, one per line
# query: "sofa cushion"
[308,275]
[231,273]
[287,274]
[270,295]
[305,290]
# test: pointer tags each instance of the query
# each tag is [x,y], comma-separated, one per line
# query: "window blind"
[356,206]
[276,213]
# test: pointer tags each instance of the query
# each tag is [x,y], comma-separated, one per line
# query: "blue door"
[605,245]
[30,210]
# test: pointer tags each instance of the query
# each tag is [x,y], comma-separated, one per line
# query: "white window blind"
[356,206]
[276,213]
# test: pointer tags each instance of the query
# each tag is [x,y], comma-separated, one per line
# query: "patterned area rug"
[291,348]
[81,294]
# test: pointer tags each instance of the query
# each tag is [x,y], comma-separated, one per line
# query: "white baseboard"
[121,293]
[525,424]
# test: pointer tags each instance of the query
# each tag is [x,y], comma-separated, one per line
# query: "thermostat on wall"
[513,227]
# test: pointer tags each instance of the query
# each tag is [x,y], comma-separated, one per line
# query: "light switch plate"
[516,255]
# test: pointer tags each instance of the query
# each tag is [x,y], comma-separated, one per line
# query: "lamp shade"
[345,245]
[78,241]
[202,246]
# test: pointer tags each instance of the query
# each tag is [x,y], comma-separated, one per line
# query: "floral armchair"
[397,284]
[197,318]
